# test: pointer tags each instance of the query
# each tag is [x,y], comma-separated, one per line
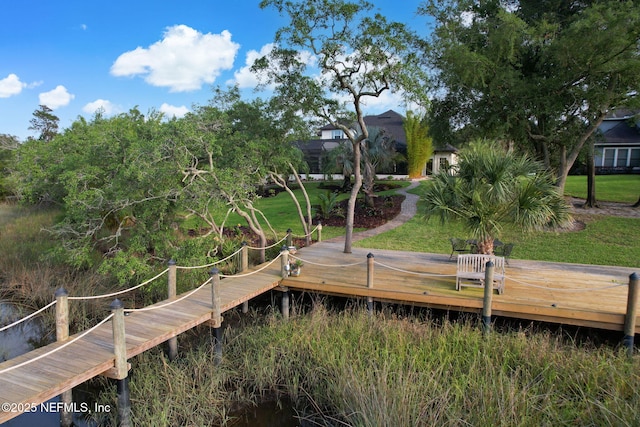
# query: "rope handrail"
[17,322]
[211,264]
[255,271]
[122,291]
[417,273]
[602,288]
[327,265]
[188,294]
[82,335]
[270,246]
[300,236]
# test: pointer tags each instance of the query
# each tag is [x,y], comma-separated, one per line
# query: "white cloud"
[83,27]
[11,85]
[244,77]
[107,107]
[173,111]
[183,60]
[58,97]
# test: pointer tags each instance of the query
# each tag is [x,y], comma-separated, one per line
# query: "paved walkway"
[407,210]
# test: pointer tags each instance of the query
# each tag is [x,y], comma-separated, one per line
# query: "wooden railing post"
[370,264]
[289,239]
[216,316]
[285,268]
[121,368]
[630,318]
[62,334]
[172,281]
[244,266]
[488,295]
[319,232]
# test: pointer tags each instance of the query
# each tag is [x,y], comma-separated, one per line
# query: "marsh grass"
[350,368]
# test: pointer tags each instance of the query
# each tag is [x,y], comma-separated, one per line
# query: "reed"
[350,368]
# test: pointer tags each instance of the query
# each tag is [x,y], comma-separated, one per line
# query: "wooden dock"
[583,295]
[571,294]
[93,355]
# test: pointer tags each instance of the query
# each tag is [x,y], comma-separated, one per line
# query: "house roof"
[391,122]
[621,133]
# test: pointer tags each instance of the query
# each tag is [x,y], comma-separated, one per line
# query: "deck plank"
[583,295]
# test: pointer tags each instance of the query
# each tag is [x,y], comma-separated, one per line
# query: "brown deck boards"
[93,354]
[587,295]
[551,292]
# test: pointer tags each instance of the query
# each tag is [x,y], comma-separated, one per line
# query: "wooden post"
[370,260]
[284,304]
[62,334]
[319,232]
[121,367]
[171,293]
[244,266]
[488,295]
[289,237]
[284,262]
[216,316]
[630,318]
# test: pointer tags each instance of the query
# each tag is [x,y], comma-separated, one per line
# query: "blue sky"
[79,55]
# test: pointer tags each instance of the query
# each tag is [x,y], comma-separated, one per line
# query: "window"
[337,134]
[634,160]
[621,157]
[609,155]
[623,153]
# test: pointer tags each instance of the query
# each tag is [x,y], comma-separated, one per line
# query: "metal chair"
[459,246]
[504,251]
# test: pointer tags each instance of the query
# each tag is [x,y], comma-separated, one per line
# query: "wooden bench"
[471,271]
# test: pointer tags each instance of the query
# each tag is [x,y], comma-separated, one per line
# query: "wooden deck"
[585,295]
[570,294]
[93,355]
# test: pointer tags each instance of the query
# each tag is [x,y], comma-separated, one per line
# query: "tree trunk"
[591,201]
[351,205]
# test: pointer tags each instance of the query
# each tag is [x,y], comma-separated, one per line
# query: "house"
[392,123]
[617,146]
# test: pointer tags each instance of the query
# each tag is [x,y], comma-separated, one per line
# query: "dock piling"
[216,315]
[121,370]
[630,317]
[172,343]
[488,296]
[370,264]
[62,334]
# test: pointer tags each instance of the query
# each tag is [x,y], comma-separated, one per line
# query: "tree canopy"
[125,183]
[491,187]
[539,74]
[359,54]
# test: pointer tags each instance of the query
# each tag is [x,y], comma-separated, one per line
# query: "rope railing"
[49,353]
[417,273]
[268,247]
[17,322]
[211,264]
[254,271]
[300,236]
[327,265]
[113,294]
[185,296]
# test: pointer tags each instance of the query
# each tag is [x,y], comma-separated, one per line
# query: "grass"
[609,188]
[606,240]
[350,368]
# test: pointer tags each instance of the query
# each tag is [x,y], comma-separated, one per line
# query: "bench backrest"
[476,263]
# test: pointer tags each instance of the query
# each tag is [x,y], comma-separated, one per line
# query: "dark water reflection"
[269,414]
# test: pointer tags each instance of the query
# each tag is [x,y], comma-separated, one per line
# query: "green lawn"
[609,188]
[604,241]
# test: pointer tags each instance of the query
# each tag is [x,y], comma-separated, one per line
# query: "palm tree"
[491,187]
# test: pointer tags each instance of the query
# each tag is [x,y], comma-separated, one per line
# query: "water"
[21,339]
